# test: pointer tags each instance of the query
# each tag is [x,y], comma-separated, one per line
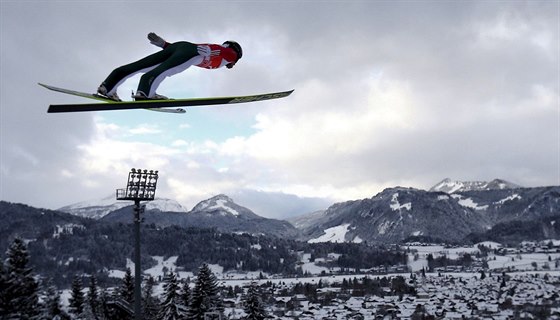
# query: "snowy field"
[519,262]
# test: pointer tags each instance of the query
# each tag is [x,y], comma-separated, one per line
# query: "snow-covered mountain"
[97,209]
[222,205]
[450,186]
[219,212]
[222,213]
[450,211]
[399,213]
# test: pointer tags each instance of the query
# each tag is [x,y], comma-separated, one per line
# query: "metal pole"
[141,186]
[137,269]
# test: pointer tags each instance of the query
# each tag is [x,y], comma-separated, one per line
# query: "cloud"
[387,93]
[145,129]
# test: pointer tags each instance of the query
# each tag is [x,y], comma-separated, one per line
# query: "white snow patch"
[165,205]
[510,198]
[109,201]
[162,266]
[383,227]
[116,274]
[555,242]
[469,203]
[489,244]
[448,186]
[216,270]
[312,268]
[357,239]
[221,204]
[395,205]
[99,208]
[417,233]
[334,234]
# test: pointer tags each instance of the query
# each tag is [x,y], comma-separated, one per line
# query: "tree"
[93,296]
[105,310]
[430,260]
[169,308]
[3,291]
[76,301]
[51,304]
[419,313]
[185,294]
[126,291]
[149,302]
[204,297]
[20,295]
[253,304]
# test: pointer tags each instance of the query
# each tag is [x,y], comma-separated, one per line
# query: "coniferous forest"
[24,295]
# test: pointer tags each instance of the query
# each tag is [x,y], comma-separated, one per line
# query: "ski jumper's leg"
[184,54]
[120,74]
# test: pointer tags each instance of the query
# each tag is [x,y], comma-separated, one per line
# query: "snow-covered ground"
[309,267]
[519,261]
[334,234]
[417,259]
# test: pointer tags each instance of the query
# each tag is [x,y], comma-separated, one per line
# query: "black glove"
[156,40]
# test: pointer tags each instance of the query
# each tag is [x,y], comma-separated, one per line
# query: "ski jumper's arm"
[157,40]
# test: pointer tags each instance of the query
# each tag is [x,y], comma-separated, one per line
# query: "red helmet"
[235,46]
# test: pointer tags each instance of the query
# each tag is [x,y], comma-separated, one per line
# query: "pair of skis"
[170,106]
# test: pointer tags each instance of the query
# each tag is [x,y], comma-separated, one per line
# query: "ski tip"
[46,86]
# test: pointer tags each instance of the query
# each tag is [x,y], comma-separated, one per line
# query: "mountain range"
[97,209]
[397,214]
[449,211]
[450,186]
[219,212]
[97,235]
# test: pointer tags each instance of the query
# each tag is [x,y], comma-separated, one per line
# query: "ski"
[104,99]
[158,104]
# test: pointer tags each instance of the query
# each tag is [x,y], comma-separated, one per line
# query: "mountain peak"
[220,203]
[98,208]
[452,186]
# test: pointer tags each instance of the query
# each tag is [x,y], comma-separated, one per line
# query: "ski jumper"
[174,58]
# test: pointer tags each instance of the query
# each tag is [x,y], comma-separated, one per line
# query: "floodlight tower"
[141,186]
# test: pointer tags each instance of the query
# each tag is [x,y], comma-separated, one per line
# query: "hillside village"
[517,283]
[449,296]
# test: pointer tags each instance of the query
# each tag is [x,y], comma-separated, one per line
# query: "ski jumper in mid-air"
[174,58]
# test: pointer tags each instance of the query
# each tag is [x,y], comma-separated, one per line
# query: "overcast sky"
[387,93]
